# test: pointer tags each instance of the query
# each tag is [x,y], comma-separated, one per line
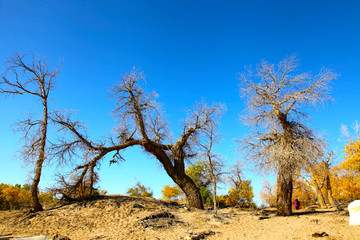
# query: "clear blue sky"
[187,50]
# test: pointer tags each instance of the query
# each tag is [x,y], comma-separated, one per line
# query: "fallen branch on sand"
[197,236]
[164,214]
[159,220]
[323,234]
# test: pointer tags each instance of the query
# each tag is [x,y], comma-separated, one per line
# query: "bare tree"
[268,193]
[235,175]
[213,160]
[313,177]
[141,123]
[31,78]
[275,97]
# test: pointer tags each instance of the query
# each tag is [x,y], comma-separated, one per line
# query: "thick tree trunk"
[285,172]
[284,192]
[177,173]
[188,186]
[191,191]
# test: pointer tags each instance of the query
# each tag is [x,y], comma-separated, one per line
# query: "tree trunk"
[320,196]
[285,174]
[214,196]
[213,180]
[188,186]
[192,192]
[329,194]
[177,173]
[92,180]
[39,162]
[317,190]
[34,187]
[284,192]
[328,186]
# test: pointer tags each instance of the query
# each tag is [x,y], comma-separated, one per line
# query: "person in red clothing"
[296,204]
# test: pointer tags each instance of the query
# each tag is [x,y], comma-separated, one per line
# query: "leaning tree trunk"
[284,192]
[329,193]
[317,190]
[320,196]
[35,185]
[188,186]
[39,162]
[192,192]
[328,186]
[177,173]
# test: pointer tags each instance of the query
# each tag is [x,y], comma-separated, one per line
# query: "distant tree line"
[17,197]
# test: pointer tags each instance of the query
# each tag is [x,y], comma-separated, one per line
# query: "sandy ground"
[122,217]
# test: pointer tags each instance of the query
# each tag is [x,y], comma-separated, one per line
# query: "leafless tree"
[141,123]
[313,176]
[235,175]
[268,193]
[213,159]
[31,78]
[275,97]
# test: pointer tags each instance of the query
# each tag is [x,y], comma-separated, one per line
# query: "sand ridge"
[124,217]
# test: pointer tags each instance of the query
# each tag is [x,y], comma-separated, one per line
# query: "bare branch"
[350,135]
[132,102]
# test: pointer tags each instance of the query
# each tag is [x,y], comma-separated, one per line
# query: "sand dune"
[123,217]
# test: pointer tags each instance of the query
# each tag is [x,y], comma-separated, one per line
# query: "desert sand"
[123,217]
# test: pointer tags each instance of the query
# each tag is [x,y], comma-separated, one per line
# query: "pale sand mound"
[123,217]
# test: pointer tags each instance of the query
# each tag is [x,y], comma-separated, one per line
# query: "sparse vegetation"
[140,191]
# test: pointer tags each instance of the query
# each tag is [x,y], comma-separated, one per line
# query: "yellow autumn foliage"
[171,193]
[352,156]
[16,197]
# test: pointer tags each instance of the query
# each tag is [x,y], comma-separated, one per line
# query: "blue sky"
[188,50]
